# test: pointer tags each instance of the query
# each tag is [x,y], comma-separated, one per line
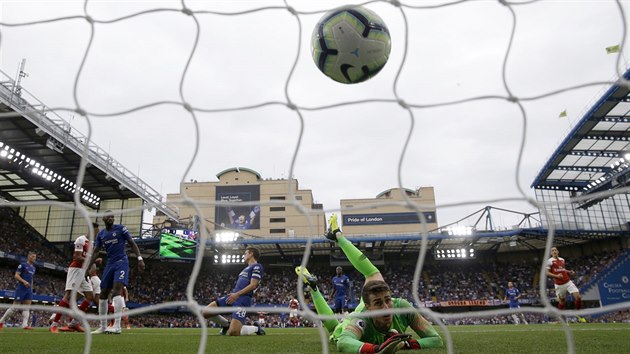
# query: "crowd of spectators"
[166,281]
[439,281]
[18,237]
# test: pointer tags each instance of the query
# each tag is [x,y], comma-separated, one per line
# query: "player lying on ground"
[364,334]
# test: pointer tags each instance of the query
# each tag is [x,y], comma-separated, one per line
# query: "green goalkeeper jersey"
[347,340]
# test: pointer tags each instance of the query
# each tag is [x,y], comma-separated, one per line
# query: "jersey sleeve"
[126,233]
[349,339]
[257,271]
[549,264]
[429,337]
[79,243]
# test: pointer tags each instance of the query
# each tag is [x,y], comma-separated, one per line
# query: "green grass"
[589,338]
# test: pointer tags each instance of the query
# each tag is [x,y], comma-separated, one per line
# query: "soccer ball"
[350,44]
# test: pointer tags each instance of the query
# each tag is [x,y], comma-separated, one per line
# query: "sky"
[469,152]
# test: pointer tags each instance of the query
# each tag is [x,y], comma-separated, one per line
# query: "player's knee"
[234,332]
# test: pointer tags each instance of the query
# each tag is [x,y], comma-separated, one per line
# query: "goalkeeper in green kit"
[364,334]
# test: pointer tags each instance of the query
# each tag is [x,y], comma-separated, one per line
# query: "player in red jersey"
[556,269]
[76,279]
[294,306]
[125,318]
[261,319]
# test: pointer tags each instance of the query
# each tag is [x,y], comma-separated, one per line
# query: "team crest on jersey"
[114,234]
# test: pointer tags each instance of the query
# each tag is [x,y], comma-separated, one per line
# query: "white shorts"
[562,290]
[96,284]
[293,313]
[261,321]
[75,277]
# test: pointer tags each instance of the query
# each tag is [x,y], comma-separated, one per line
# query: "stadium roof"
[595,155]
[40,156]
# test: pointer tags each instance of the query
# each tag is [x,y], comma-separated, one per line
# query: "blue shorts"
[23,293]
[340,302]
[514,306]
[242,301]
[117,272]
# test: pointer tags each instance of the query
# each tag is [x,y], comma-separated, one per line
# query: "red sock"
[561,306]
[58,315]
[110,309]
[578,303]
[84,305]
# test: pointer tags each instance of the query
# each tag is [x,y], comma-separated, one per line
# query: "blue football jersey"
[512,295]
[114,242]
[254,271]
[341,284]
[26,271]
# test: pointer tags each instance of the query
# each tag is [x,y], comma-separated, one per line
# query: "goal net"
[474,97]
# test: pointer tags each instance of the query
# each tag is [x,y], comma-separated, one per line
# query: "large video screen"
[178,244]
[238,217]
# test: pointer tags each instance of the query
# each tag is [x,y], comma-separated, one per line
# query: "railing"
[62,131]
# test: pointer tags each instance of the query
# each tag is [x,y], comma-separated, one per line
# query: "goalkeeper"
[379,334]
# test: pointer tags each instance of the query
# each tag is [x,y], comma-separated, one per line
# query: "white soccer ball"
[350,44]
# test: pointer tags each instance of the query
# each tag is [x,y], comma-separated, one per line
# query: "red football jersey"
[80,244]
[556,266]
[294,304]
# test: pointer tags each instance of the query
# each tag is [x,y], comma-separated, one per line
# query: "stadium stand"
[18,237]
[440,281]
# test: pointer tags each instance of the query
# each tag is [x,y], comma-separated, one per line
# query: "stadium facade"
[268,208]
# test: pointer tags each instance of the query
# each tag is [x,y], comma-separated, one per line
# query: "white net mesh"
[192,87]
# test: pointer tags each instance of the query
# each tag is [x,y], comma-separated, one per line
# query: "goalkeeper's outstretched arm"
[429,337]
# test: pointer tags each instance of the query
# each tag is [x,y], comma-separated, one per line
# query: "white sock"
[118,303]
[6,314]
[516,320]
[248,330]
[25,317]
[102,310]
[220,320]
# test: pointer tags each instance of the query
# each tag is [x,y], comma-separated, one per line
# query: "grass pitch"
[589,338]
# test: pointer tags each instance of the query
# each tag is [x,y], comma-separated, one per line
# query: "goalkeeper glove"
[391,345]
[411,344]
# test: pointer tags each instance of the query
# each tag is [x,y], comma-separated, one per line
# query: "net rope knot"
[292,10]
[188,107]
[81,111]
[187,11]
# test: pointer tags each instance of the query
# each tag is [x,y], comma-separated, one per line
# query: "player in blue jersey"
[24,290]
[512,294]
[240,297]
[114,239]
[341,288]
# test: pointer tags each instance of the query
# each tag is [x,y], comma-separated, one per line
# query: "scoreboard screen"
[178,244]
